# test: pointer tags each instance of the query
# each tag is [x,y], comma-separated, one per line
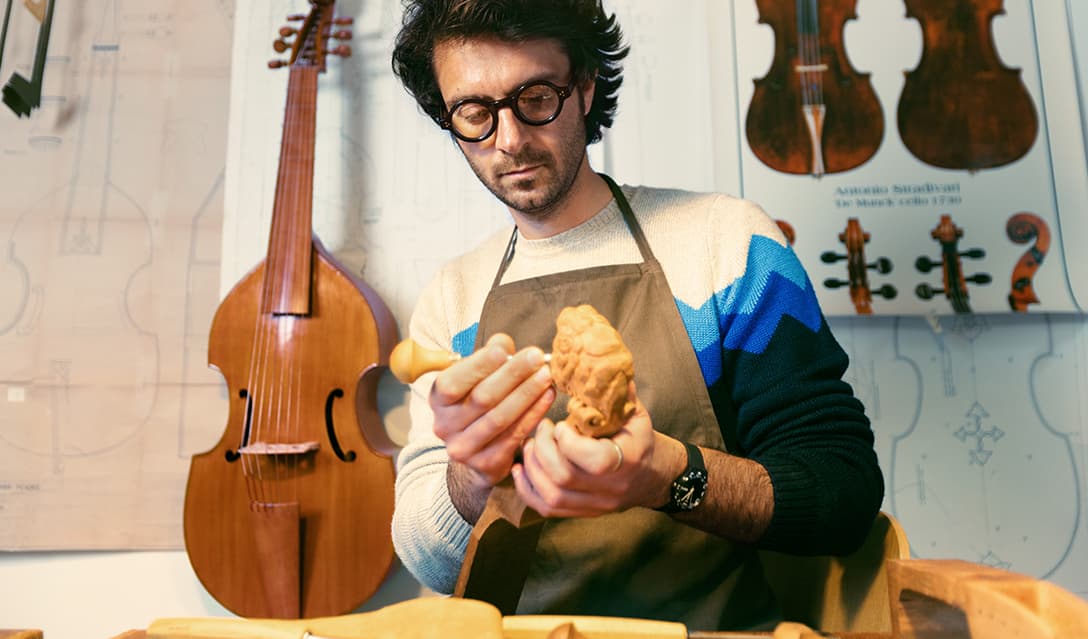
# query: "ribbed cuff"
[797,506]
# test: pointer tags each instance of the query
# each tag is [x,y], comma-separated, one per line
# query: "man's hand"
[567,474]
[485,405]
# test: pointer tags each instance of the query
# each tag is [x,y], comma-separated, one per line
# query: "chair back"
[839,594]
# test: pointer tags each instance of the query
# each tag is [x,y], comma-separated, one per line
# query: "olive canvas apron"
[638,563]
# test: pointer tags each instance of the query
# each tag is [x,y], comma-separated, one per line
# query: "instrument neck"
[810,65]
[808,19]
[290,244]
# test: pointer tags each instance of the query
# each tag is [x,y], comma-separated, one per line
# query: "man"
[736,370]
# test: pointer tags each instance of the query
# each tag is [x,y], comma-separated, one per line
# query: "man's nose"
[511,134]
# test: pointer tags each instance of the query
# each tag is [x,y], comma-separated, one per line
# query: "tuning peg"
[288,31]
[830,257]
[344,51]
[925,291]
[832,282]
[974,253]
[925,265]
[882,265]
[979,278]
[887,291]
[275,64]
[296,17]
[344,20]
[342,34]
[279,46]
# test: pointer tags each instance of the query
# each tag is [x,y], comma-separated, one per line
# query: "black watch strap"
[689,487]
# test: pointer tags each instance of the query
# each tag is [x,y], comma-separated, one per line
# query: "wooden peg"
[409,360]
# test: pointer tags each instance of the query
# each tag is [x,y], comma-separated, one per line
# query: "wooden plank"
[587,627]
[424,618]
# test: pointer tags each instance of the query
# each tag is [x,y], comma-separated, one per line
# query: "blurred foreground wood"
[929,599]
[951,599]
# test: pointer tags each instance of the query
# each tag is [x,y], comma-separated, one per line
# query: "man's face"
[529,168]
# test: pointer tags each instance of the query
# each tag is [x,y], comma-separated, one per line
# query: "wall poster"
[917,178]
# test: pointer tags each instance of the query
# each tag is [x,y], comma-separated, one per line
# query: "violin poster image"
[873,232]
[813,113]
[961,107]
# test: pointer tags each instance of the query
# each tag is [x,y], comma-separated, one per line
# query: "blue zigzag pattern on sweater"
[465,340]
[748,310]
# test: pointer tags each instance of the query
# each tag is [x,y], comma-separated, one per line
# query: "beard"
[541,194]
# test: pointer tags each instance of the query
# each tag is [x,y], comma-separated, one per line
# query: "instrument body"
[813,113]
[961,108]
[289,514]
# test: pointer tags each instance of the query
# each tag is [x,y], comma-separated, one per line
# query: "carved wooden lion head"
[593,366]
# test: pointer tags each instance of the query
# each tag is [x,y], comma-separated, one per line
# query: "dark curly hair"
[590,37]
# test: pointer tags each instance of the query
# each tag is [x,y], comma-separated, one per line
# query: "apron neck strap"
[507,257]
[629,219]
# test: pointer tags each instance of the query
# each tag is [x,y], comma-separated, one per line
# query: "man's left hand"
[567,474]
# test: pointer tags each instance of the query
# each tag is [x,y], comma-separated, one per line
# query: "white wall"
[915,374]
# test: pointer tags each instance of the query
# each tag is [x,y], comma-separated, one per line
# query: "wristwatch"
[689,488]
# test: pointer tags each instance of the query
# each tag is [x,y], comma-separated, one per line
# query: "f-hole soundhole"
[231,455]
[331,428]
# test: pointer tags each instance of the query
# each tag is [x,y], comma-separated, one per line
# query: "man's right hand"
[485,405]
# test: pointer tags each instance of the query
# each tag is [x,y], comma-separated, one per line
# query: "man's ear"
[588,89]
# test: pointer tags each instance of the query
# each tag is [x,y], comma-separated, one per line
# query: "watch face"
[689,489]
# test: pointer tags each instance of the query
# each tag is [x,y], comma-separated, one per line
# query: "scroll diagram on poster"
[955,199]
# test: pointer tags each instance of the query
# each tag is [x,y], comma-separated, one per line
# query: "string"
[274,383]
[274,401]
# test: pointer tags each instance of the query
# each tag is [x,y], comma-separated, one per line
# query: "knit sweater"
[763,345]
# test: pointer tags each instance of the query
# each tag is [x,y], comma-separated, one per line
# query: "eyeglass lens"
[534,104]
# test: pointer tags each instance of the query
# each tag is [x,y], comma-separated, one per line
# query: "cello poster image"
[961,107]
[900,168]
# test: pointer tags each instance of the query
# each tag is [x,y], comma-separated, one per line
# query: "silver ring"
[619,455]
